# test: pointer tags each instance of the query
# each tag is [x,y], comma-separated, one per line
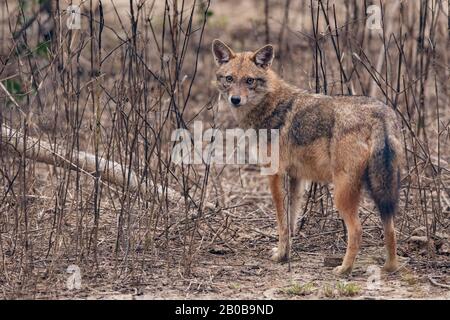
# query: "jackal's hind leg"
[347,193]
[391,263]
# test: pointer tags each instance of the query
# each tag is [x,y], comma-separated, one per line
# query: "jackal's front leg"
[276,187]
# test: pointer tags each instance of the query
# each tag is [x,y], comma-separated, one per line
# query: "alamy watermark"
[233,146]
[73,281]
[374,279]
[374,19]
[73,21]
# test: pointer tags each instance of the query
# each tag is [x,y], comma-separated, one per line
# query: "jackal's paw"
[391,266]
[342,271]
[279,255]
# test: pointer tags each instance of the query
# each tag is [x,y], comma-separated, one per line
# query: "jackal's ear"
[222,53]
[264,56]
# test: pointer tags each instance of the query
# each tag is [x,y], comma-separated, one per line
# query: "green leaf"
[43,49]
[14,87]
[23,4]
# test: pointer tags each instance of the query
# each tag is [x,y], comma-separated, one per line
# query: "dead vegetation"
[85,165]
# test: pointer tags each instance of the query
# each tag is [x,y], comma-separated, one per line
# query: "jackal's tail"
[382,175]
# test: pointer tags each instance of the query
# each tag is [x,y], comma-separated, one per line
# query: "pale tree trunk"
[41,151]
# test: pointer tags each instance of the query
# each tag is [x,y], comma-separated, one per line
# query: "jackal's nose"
[235,100]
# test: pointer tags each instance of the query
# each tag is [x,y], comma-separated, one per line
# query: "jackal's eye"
[229,78]
[250,81]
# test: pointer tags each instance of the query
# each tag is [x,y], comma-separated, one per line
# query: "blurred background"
[88,103]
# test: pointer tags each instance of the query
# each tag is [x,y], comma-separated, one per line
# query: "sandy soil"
[231,246]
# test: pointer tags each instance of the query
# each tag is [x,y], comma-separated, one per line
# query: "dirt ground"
[232,259]
[225,252]
[255,277]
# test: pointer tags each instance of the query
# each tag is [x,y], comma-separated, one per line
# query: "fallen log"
[109,171]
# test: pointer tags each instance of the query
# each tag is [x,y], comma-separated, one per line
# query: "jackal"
[349,141]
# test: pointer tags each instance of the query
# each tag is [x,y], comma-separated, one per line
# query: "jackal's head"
[242,77]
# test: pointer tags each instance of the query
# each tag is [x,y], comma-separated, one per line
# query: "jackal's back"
[327,136]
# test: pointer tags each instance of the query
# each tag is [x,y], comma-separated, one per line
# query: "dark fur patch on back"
[311,123]
[379,115]
[277,118]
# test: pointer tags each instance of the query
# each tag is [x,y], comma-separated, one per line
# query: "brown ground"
[225,253]
[231,259]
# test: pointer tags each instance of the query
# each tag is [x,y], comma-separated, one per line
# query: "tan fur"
[344,140]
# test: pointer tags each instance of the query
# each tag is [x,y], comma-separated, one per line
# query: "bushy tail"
[382,174]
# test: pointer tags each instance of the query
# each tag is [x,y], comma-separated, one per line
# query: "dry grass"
[120,85]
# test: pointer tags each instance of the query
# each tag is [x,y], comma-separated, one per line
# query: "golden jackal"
[346,140]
